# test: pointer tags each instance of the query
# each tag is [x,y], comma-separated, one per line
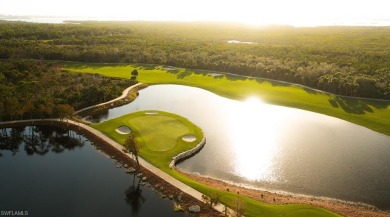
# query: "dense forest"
[35,89]
[351,61]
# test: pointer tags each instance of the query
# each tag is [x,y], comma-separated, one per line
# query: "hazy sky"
[294,12]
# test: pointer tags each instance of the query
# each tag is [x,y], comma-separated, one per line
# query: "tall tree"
[64,111]
[133,146]
[134,72]
[134,75]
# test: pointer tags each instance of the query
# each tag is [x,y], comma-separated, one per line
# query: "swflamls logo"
[14,213]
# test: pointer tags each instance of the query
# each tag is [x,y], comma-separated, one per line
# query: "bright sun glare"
[254,136]
[297,12]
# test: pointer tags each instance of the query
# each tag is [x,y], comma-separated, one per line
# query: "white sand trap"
[151,113]
[170,68]
[189,138]
[215,75]
[123,130]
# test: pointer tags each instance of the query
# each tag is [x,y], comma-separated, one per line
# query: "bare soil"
[342,208]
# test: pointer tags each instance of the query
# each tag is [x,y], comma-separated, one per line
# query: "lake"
[276,148]
[61,174]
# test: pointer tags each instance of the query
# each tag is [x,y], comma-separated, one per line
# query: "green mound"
[159,133]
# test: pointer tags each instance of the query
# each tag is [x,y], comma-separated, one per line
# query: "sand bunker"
[170,68]
[215,75]
[151,113]
[123,130]
[189,138]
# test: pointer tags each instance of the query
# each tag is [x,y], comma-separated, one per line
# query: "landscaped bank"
[186,154]
[373,114]
[128,95]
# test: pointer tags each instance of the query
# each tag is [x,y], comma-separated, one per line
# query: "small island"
[161,135]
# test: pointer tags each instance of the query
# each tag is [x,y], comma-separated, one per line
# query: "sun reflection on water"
[253,133]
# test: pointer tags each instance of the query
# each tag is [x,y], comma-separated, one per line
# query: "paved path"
[180,185]
[124,94]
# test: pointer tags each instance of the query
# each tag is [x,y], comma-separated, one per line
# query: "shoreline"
[339,207]
[343,208]
[165,189]
[125,98]
[187,154]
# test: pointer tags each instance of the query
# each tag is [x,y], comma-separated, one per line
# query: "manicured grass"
[160,135]
[372,114]
[155,131]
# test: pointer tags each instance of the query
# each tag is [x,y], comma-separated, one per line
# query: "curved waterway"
[59,173]
[277,148]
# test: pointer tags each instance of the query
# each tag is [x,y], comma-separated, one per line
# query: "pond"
[276,148]
[59,173]
[240,42]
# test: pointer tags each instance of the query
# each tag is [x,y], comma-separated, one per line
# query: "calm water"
[69,177]
[277,148]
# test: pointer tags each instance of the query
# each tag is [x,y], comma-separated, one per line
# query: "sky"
[257,12]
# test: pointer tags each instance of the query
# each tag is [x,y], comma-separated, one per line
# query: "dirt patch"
[344,209]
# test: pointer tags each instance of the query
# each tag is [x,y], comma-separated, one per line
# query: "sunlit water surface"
[277,148]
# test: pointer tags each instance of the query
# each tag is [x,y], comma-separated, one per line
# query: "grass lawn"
[161,135]
[372,114]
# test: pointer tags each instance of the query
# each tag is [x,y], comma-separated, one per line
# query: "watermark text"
[13,213]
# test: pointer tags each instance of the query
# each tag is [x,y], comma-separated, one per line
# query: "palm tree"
[132,145]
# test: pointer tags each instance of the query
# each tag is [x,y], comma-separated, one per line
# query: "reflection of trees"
[34,144]
[11,139]
[134,197]
[64,140]
[39,139]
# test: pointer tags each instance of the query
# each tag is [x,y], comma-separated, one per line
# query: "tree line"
[351,61]
[36,89]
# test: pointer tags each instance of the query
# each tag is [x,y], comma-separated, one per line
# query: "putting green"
[158,132]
